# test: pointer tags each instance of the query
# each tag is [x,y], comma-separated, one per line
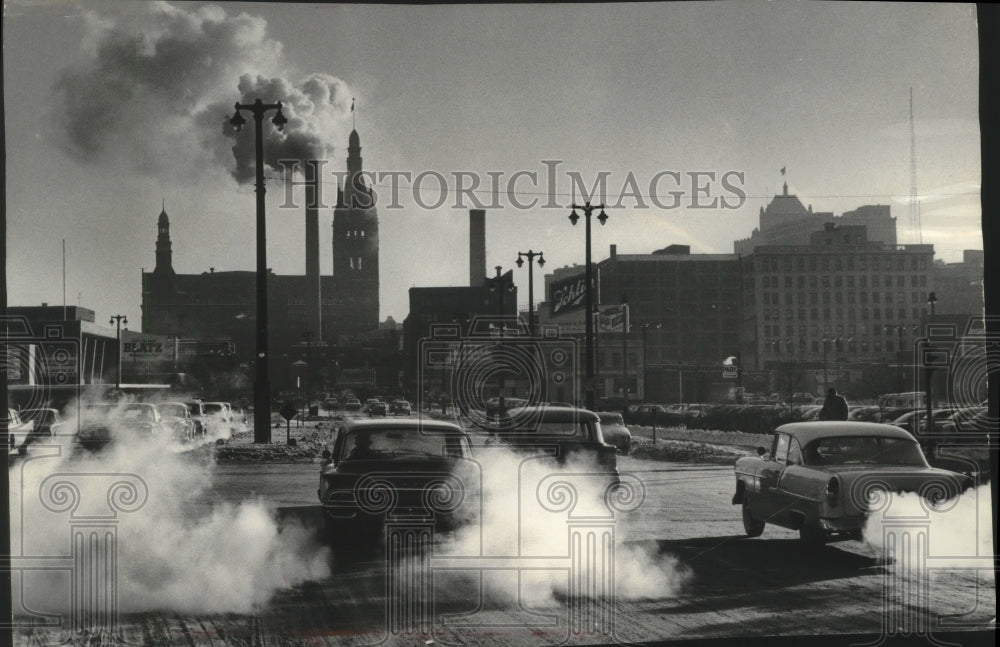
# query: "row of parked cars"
[98,422]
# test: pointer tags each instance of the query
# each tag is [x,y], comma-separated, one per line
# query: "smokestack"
[477,248]
[312,297]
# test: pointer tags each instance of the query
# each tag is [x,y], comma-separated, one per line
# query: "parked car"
[176,417]
[100,423]
[568,433]
[352,404]
[18,432]
[614,431]
[384,469]
[196,410]
[915,422]
[967,420]
[221,416]
[46,424]
[377,408]
[865,413]
[647,414]
[802,398]
[817,477]
[400,408]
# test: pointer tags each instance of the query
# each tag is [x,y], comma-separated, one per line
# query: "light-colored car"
[46,424]
[18,431]
[177,418]
[819,477]
[400,408]
[221,416]
[614,431]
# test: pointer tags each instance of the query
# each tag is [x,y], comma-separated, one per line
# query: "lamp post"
[644,371]
[498,285]
[932,301]
[530,255]
[118,320]
[596,316]
[899,328]
[588,209]
[625,314]
[308,337]
[261,386]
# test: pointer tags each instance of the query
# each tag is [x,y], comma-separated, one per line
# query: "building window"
[812,281]
[863,281]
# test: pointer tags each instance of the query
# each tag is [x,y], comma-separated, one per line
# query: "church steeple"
[163,247]
[355,184]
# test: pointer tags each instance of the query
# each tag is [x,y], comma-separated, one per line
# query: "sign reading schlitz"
[568,295]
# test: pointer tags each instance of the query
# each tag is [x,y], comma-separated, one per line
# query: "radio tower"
[914,205]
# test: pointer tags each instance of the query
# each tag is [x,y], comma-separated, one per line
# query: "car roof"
[556,414]
[610,415]
[416,424]
[806,432]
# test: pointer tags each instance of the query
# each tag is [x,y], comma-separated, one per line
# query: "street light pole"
[308,335]
[588,209]
[261,386]
[645,373]
[118,320]
[530,255]
[624,356]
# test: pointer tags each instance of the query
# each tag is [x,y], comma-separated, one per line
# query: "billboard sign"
[569,295]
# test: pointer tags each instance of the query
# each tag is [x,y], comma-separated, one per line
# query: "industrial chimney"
[314,312]
[477,248]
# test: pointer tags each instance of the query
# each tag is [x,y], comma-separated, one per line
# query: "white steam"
[156,89]
[527,504]
[232,558]
[959,534]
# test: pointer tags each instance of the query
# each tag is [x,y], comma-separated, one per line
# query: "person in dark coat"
[834,407]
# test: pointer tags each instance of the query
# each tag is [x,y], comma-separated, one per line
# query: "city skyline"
[811,94]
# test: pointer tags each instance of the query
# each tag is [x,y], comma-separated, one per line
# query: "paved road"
[684,571]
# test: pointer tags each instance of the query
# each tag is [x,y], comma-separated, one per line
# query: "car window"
[864,449]
[142,414]
[779,450]
[794,453]
[387,442]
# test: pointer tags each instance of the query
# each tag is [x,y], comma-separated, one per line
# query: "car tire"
[752,527]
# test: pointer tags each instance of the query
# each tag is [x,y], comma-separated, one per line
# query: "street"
[683,570]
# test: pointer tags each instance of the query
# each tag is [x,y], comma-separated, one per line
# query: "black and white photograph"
[498,324]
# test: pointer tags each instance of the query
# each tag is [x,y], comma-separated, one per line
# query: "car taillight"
[832,491]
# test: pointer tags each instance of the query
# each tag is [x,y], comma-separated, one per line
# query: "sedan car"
[48,423]
[101,423]
[377,408]
[352,404]
[399,408]
[614,431]
[18,432]
[567,433]
[818,478]
[176,417]
[379,470]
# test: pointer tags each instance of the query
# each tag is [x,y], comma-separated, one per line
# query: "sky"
[690,111]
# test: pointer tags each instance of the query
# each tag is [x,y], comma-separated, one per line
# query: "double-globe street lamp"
[530,255]
[261,387]
[118,320]
[588,209]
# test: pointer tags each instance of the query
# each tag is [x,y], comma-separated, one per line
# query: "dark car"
[915,422]
[819,477]
[568,434]
[101,423]
[614,431]
[197,413]
[377,408]
[177,417]
[352,404]
[379,470]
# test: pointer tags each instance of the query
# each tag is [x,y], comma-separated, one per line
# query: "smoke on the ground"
[171,554]
[959,531]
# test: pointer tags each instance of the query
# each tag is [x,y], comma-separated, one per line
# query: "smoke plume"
[156,89]
[959,531]
[177,550]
